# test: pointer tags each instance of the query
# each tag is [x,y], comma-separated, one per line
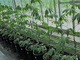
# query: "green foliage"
[34,1]
[69,11]
[16,40]
[64,57]
[24,43]
[18,8]
[45,24]
[24,16]
[49,53]
[39,48]
[35,13]
[77,16]
[56,57]
[78,5]
[27,7]
[48,13]
[61,45]
[62,18]
[16,28]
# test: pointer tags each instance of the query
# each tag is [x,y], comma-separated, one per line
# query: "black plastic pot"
[1,38]
[38,56]
[4,38]
[7,40]
[18,49]
[24,54]
[12,45]
[30,55]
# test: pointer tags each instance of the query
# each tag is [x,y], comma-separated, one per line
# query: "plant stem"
[73,23]
[48,29]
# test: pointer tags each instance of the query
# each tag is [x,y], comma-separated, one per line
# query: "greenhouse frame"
[40,29]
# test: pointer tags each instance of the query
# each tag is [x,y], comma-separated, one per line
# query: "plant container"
[30,53]
[23,53]
[12,45]
[38,56]
[18,49]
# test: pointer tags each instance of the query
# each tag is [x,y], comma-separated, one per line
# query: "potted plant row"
[15,34]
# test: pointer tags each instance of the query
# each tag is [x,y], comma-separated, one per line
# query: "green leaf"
[18,8]
[53,15]
[69,11]
[50,10]
[1,9]
[32,1]
[67,40]
[45,24]
[46,13]
[6,17]
[67,32]
[78,6]
[24,16]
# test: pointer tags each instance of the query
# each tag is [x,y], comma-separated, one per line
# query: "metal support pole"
[55,10]
[60,16]
[59,8]
[14,3]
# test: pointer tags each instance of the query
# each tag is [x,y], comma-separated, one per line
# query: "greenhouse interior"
[39,29]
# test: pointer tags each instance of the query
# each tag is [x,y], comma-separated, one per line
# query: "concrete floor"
[3,57]
[6,53]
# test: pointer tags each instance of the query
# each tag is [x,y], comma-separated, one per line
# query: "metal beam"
[69,2]
[59,8]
